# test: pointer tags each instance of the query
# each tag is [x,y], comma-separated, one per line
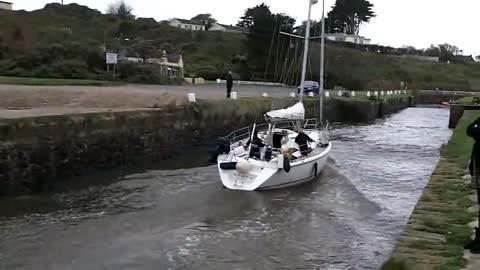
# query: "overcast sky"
[399,22]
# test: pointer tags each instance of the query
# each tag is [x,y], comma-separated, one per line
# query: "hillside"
[69,42]
[48,41]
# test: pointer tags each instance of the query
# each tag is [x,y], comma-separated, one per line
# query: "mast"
[305,51]
[322,64]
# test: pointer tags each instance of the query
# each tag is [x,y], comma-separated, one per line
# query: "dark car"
[310,86]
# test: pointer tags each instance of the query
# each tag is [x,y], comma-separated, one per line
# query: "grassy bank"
[438,228]
[54,82]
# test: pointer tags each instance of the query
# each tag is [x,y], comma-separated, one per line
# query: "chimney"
[164,58]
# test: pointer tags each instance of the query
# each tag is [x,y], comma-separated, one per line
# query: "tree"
[206,19]
[432,51]
[445,52]
[263,28]
[347,16]
[121,9]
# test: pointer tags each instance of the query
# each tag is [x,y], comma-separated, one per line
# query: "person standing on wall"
[229,83]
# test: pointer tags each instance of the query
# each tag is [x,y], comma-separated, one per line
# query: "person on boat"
[256,141]
[302,140]
[229,83]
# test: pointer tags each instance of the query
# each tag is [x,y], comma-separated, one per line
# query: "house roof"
[4,2]
[345,35]
[173,57]
[189,21]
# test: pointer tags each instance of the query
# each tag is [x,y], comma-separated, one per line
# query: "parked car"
[310,86]
[346,93]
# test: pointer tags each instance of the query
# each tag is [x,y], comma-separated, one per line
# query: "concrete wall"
[437,97]
[36,153]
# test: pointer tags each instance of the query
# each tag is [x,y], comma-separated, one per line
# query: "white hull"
[255,174]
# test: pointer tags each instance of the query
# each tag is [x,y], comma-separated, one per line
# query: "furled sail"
[296,112]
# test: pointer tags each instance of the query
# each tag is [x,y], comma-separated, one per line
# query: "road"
[22,101]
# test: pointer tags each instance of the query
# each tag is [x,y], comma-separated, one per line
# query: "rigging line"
[290,65]
[271,47]
[278,56]
[284,68]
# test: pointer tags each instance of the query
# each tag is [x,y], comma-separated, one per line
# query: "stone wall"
[437,97]
[36,153]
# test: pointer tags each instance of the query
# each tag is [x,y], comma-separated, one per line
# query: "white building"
[227,28]
[171,65]
[6,5]
[341,37]
[187,24]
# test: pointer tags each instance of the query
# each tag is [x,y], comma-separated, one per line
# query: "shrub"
[140,73]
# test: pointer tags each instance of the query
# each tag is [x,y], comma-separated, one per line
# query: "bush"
[66,69]
[140,73]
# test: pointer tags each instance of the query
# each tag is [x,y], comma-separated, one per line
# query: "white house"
[6,5]
[187,24]
[341,37]
[171,65]
[227,28]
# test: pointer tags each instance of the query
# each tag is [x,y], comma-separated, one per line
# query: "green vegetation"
[42,81]
[438,229]
[69,42]
[272,56]
[348,15]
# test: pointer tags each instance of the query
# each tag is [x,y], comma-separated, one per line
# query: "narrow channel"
[349,218]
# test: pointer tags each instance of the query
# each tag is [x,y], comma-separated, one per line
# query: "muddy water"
[349,218]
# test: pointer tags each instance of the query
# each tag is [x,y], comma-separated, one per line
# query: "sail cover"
[296,112]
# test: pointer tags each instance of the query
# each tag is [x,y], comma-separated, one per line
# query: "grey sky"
[399,22]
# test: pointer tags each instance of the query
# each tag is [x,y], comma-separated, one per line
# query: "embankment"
[38,152]
[437,97]
[439,228]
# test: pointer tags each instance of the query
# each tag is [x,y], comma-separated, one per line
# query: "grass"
[53,82]
[460,146]
[441,210]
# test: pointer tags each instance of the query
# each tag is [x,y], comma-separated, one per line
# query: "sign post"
[111,59]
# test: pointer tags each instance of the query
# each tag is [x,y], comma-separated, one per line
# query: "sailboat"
[267,156]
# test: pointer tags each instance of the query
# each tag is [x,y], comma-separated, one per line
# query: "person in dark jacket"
[302,140]
[256,141]
[229,83]
[473,130]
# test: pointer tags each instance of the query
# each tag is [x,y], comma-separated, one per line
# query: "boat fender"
[228,166]
[315,169]
[286,164]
